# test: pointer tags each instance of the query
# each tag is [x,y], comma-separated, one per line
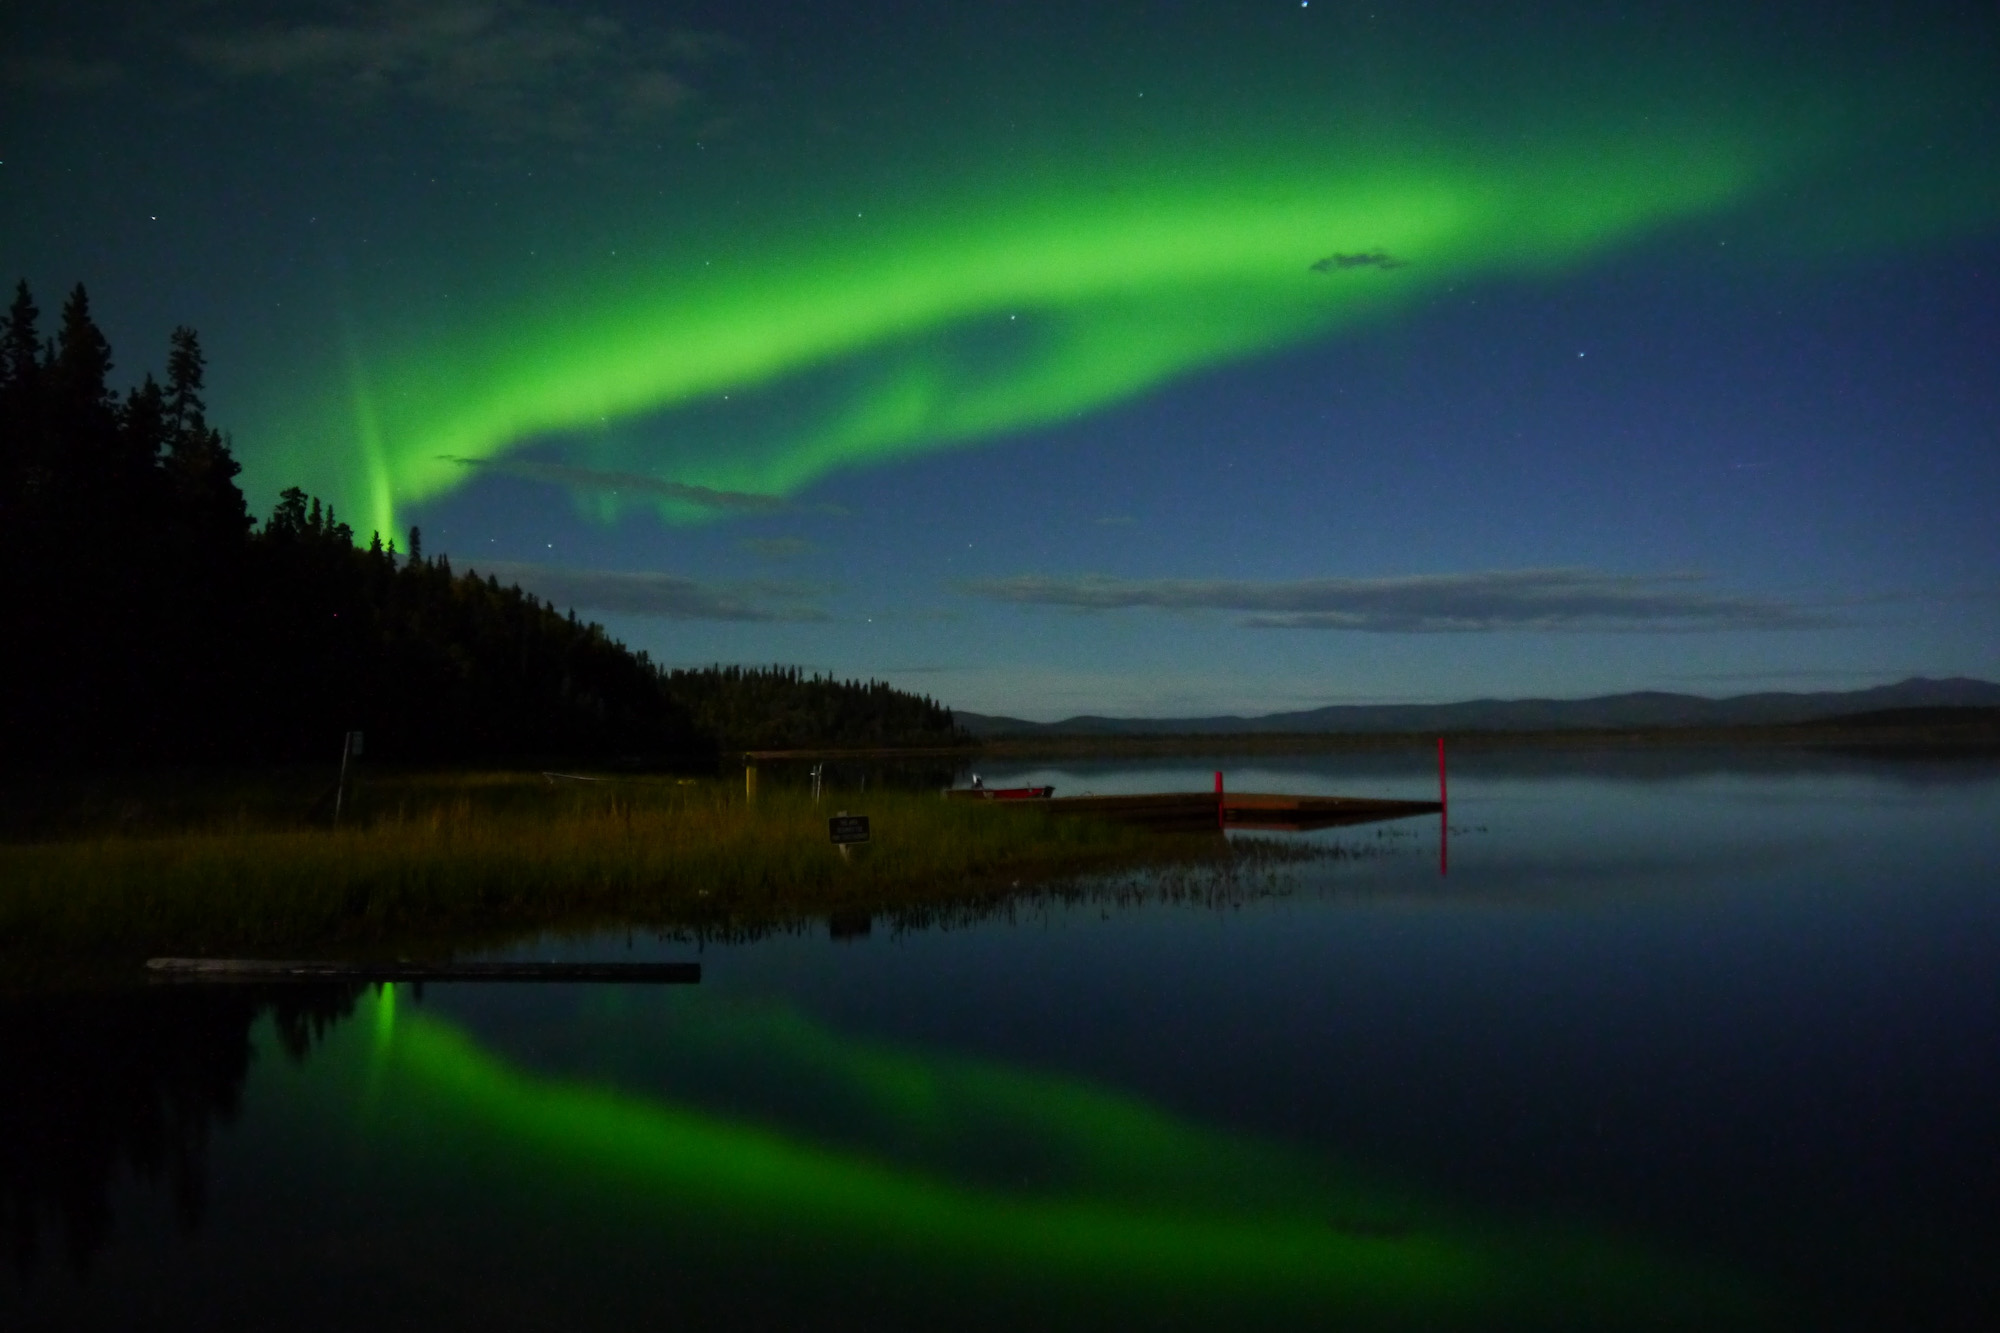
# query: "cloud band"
[669,596]
[627,483]
[1541,600]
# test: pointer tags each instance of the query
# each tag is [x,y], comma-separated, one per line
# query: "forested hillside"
[782,708]
[149,619]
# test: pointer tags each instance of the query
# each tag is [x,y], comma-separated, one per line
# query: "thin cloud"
[1543,600]
[627,483]
[517,68]
[1117,521]
[669,596]
[1337,263]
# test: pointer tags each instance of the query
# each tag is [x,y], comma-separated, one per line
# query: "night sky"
[1137,358]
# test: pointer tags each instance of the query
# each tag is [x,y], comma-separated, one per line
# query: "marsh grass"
[450,861]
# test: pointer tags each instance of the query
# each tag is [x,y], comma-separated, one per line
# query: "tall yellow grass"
[488,856]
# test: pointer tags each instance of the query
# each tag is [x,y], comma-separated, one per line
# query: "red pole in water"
[1221,821]
[1444,817]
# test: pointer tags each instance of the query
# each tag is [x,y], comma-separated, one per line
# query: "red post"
[1444,816]
[1221,820]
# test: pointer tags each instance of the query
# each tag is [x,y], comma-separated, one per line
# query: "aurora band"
[983,312]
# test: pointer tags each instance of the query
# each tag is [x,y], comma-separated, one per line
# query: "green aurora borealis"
[996,289]
[1116,296]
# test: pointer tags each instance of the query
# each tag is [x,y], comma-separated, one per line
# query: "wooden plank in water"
[889,752]
[267,969]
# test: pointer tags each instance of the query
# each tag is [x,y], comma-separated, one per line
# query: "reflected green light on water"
[1126,1201]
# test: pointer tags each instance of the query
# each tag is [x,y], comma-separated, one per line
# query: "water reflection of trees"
[100,1084]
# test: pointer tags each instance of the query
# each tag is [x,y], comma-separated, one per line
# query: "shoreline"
[448,869]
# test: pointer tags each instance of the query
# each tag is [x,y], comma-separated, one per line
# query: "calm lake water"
[1683,1040]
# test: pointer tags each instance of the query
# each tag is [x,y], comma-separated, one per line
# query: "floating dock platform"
[1239,810]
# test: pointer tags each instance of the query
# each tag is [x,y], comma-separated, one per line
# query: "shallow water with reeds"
[1683,1039]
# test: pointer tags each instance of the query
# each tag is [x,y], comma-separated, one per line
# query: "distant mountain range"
[1649,708]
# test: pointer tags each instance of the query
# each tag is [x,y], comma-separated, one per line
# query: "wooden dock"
[267,969]
[1241,810]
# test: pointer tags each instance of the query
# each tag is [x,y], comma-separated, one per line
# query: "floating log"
[266,969]
[882,752]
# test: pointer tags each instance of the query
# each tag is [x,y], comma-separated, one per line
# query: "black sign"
[847,828]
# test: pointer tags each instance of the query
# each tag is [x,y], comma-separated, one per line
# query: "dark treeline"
[442,666]
[148,618]
[781,708]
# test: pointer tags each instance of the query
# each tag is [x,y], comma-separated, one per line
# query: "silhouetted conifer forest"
[150,619]
[782,708]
